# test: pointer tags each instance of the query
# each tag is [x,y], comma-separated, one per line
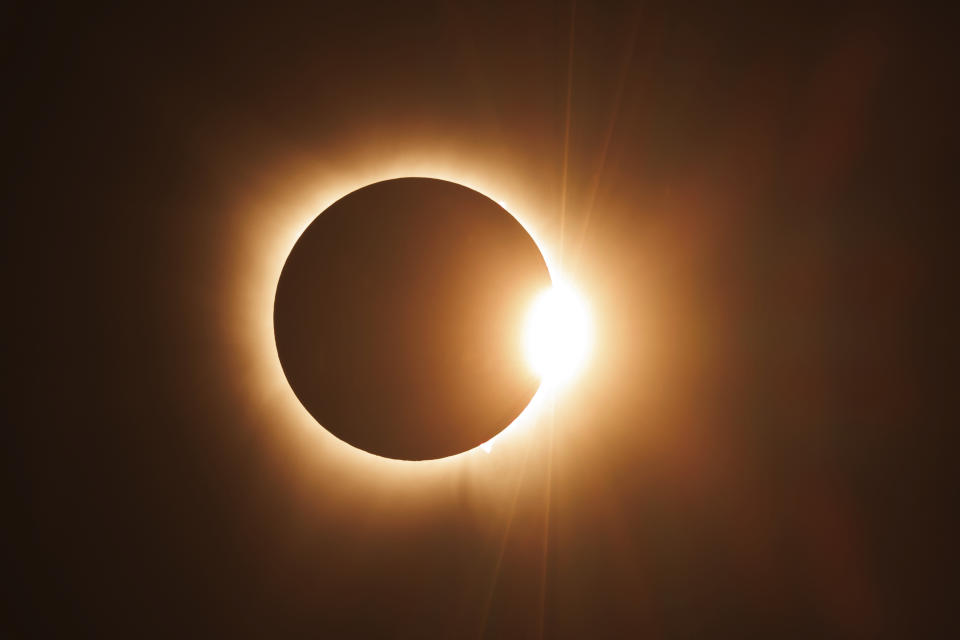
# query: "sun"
[558,335]
[554,333]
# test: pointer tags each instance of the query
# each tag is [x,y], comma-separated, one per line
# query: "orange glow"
[274,218]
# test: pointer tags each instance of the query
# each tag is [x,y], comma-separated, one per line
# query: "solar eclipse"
[415,319]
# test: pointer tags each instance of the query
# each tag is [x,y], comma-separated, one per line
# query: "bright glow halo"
[269,242]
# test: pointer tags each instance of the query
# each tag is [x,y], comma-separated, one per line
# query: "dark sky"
[752,199]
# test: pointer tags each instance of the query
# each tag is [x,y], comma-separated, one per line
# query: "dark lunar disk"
[399,317]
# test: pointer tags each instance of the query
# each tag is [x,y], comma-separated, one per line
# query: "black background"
[776,174]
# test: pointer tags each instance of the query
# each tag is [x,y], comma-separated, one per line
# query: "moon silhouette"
[399,318]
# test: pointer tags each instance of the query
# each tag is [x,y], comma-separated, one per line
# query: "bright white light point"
[558,335]
[487,446]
